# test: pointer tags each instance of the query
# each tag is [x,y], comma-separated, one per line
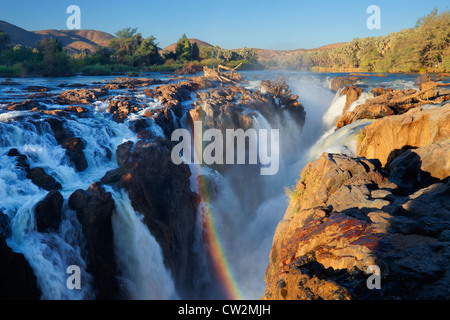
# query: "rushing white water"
[138,254]
[50,253]
[343,140]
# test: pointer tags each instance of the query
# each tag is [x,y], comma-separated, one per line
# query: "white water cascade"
[50,253]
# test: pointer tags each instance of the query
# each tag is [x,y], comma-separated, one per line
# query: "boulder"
[390,102]
[43,180]
[17,278]
[94,208]
[36,89]
[5,225]
[60,131]
[420,167]
[48,212]
[25,105]
[81,96]
[352,94]
[343,217]
[340,82]
[160,191]
[21,159]
[385,139]
[74,152]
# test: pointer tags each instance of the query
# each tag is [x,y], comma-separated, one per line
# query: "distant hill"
[75,41]
[173,46]
[72,40]
[266,54]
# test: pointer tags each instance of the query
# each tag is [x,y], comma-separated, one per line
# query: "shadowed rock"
[94,209]
[43,180]
[48,212]
[17,279]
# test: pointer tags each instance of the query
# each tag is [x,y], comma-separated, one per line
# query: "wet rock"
[340,82]
[17,279]
[123,153]
[21,159]
[420,167]
[393,102]
[112,176]
[122,106]
[160,191]
[74,152]
[352,94]
[48,212]
[163,118]
[5,225]
[76,109]
[94,208]
[36,89]
[25,105]
[60,131]
[342,218]
[81,96]
[43,180]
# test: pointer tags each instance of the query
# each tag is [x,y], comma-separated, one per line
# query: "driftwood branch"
[224,77]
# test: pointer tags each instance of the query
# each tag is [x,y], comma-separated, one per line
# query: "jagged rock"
[48,212]
[352,94]
[5,225]
[43,180]
[74,151]
[387,138]
[130,83]
[340,82]
[81,96]
[60,131]
[94,208]
[25,105]
[421,167]
[17,279]
[36,89]
[395,102]
[160,191]
[21,159]
[171,95]
[343,217]
[123,153]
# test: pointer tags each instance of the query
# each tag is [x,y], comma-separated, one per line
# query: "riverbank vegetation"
[424,48]
[127,52]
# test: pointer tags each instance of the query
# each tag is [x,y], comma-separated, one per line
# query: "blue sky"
[269,24]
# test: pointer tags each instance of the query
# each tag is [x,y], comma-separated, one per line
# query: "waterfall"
[138,254]
[50,253]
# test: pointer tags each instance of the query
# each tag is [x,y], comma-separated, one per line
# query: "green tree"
[125,45]
[55,62]
[148,52]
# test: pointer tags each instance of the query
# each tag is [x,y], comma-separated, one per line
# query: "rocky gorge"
[386,206]
[87,178]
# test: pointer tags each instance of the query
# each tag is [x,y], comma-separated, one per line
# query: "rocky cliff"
[385,210]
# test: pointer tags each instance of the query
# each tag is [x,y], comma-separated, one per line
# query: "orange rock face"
[344,216]
[386,138]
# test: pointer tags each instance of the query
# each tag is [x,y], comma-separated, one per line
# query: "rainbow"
[215,250]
